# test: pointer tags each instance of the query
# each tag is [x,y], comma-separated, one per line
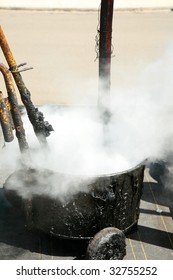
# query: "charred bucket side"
[110,201]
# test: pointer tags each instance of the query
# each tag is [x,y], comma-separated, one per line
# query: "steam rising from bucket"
[140,128]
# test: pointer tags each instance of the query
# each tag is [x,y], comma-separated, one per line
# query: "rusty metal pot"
[107,201]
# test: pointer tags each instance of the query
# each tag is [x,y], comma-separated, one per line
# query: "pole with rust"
[5,120]
[105,43]
[41,128]
[16,116]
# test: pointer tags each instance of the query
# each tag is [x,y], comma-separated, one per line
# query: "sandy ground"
[61,48]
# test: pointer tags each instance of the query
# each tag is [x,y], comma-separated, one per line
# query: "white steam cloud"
[140,128]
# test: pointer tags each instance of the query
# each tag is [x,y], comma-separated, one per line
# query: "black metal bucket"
[107,201]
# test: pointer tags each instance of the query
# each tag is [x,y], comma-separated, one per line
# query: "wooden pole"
[41,128]
[16,115]
[5,120]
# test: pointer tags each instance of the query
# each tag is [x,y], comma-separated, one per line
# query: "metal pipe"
[5,120]
[41,128]
[18,124]
[105,43]
[8,107]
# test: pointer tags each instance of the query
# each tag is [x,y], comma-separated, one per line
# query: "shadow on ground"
[162,190]
[153,236]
